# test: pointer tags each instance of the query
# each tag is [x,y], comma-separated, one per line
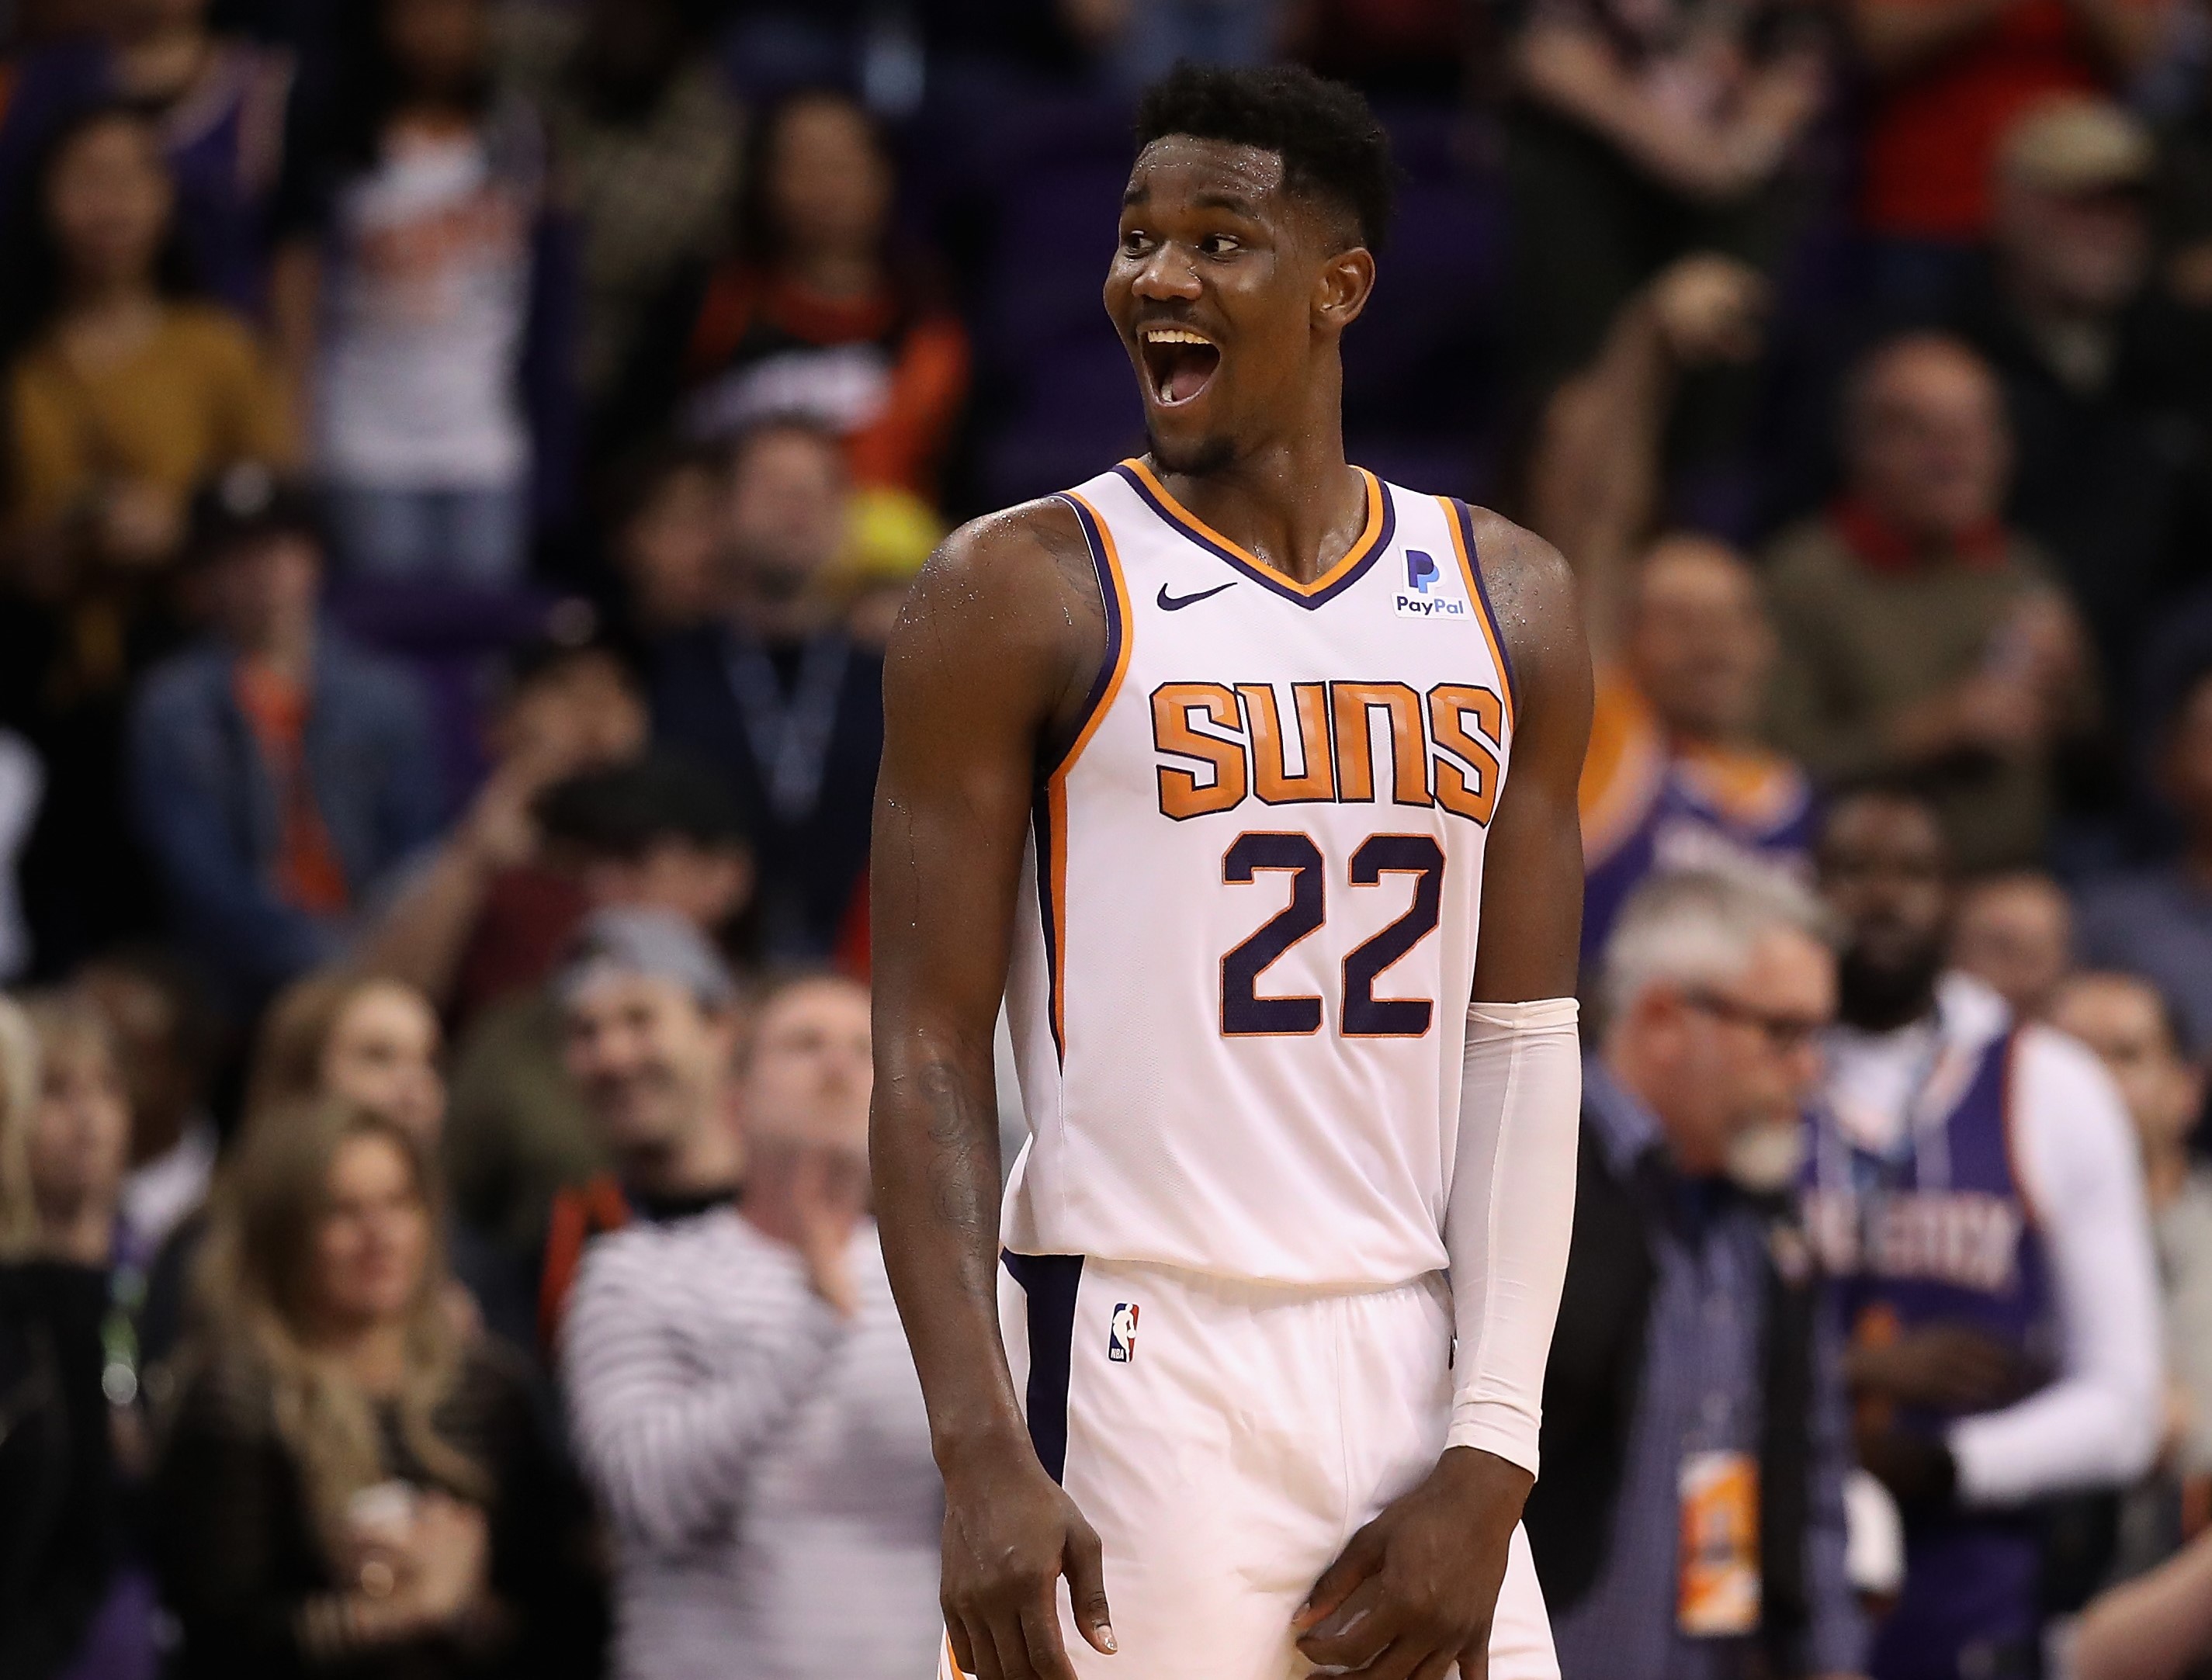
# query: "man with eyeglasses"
[1975,1193]
[1689,1525]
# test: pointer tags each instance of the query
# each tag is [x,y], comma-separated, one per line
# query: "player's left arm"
[1414,1592]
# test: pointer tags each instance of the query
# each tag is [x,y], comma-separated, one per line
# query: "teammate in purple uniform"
[1976,1194]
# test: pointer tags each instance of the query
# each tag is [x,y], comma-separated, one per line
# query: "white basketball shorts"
[1226,1440]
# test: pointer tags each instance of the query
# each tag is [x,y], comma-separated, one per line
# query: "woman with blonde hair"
[55,1460]
[78,1146]
[372,1040]
[340,1032]
[350,1479]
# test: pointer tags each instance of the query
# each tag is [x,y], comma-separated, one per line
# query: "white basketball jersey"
[1247,933]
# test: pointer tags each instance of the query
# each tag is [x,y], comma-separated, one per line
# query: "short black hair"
[570,636]
[1331,145]
[1888,785]
[624,811]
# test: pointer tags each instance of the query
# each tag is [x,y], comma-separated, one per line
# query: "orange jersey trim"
[1052,812]
[1464,545]
[1361,550]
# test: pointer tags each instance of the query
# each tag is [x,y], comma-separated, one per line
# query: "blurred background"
[459,463]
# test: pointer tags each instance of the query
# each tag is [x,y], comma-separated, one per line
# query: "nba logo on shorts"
[1420,570]
[1122,1333]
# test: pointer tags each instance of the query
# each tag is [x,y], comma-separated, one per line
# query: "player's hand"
[1415,1590]
[1952,1368]
[1011,1531]
[1710,308]
[1919,1472]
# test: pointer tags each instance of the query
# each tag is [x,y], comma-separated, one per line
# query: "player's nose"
[1167,273]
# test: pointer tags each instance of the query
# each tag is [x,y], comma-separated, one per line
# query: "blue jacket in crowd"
[207,808]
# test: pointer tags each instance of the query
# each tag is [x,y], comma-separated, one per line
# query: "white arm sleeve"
[2096,1424]
[1509,1216]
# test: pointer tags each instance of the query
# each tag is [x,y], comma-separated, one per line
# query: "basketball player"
[1977,1202]
[1212,767]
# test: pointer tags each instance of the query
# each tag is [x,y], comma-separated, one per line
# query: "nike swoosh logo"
[1177,603]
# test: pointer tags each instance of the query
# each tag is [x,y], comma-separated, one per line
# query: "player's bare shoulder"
[1532,594]
[1011,599]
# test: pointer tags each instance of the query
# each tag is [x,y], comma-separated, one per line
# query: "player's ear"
[1341,292]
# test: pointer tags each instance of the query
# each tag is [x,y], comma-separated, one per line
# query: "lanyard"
[790,738]
[1920,1144]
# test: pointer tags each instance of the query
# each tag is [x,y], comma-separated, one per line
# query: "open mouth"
[1178,361]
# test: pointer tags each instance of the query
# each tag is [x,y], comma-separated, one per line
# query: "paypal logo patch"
[1427,593]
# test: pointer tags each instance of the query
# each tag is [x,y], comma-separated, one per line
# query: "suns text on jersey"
[1221,743]
[1969,1239]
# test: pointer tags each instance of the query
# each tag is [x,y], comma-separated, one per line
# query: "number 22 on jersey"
[1245,1014]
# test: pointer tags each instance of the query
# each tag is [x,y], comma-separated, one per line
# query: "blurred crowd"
[459,463]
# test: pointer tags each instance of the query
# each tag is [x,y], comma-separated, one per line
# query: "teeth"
[1173,336]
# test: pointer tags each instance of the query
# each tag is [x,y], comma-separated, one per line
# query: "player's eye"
[1136,242]
[1217,245]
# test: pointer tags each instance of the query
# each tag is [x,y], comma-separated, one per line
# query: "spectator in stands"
[1918,634]
[1976,1195]
[372,1041]
[778,693]
[56,1464]
[816,314]
[412,224]
[2106,379]
[349,1480]
[1639,133]
[80,1139]
[1675,778]
[216,99]
[79,1148]
[367,1041]
[2156,921]
[123,390]
[666,528]
[740,1386]
[648,139]
[2127,1023]
[2014,933]
[1948,80]
[1677,621]
[479,916]
[651,1022]
[219,102]
[276,775]
[1683,1329]
[661,835]
[166,1037]
[375,1042]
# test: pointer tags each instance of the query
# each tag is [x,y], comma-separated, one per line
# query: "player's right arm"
[995,653]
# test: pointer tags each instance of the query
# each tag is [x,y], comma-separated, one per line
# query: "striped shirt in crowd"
[764,1463]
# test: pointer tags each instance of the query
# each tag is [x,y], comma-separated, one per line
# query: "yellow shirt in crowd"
[197,393]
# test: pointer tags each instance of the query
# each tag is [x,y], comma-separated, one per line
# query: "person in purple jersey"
[1676,777]
[1974,1192]
[1673,778]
